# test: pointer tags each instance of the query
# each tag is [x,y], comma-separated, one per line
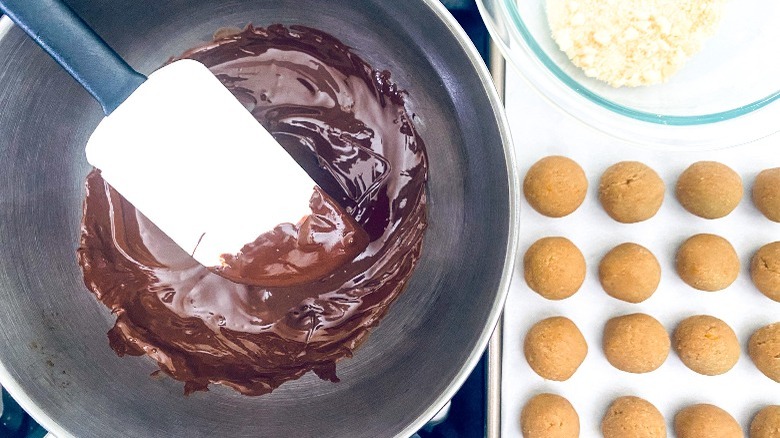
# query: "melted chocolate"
[317,287]
[292,255]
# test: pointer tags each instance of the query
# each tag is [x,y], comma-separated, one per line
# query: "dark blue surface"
[14,423]
[467,416]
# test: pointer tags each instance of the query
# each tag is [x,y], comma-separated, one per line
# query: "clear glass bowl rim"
[731,127]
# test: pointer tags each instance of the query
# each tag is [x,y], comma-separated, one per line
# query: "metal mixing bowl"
[54,354]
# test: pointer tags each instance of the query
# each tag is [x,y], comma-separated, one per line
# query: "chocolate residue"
[312,93]
[292,255]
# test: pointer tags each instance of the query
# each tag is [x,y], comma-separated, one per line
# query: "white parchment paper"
[539,130]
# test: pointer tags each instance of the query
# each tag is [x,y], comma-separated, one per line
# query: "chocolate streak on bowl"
[296,254]
[310,91]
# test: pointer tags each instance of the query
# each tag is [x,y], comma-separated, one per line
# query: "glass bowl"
[726,94]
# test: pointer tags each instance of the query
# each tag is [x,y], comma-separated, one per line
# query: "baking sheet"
[538,130]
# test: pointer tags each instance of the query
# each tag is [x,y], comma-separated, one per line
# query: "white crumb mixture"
[632,42]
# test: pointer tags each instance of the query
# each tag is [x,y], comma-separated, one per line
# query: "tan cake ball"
[554,268]
[709,189]
[765,270]
[706,421]
[764,349]
[766,193]
[766,424]
[630,272]
[555,348]
[635,343]
[706,345]
[549,416]
[555,186]
[707,262]
[633,417]
[631,192]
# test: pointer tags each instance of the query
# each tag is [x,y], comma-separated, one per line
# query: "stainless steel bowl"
[54,355]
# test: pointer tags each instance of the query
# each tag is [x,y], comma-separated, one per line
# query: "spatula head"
[189,156]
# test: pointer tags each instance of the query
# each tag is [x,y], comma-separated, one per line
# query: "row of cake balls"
[637,343]
[630,191]
[555,268]
[550,415]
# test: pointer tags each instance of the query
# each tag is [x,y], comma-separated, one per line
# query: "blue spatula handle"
[77,48]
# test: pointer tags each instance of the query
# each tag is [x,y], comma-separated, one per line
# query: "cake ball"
[630,272]
[765,270]
[764,349]
[555,186]
[706,421]
[709,189]
[631,192]
[706,345]
[766,424]
[554,268]
[707,262]
[766,193]
[633,417]
[555,348]
[549,416]
[635,343]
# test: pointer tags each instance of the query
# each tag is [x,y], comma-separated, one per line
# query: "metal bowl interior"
[54,355]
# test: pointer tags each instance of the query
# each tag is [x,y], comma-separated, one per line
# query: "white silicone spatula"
[177,144]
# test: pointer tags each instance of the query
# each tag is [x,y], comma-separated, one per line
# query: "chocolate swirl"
[306,312]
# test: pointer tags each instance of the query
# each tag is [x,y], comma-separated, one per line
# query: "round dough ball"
[631,192]
[766,193]
[764,349]
[765,270]
[706,345]
[555,348]
[633,417]
[709,189]
[635,343]
[630,272]
[554,268]
[766,424]
[555,186]
[549,416]
[703,420]
[707,262]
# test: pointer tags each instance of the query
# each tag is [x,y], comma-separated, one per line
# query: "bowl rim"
[732,127]
[16,389]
